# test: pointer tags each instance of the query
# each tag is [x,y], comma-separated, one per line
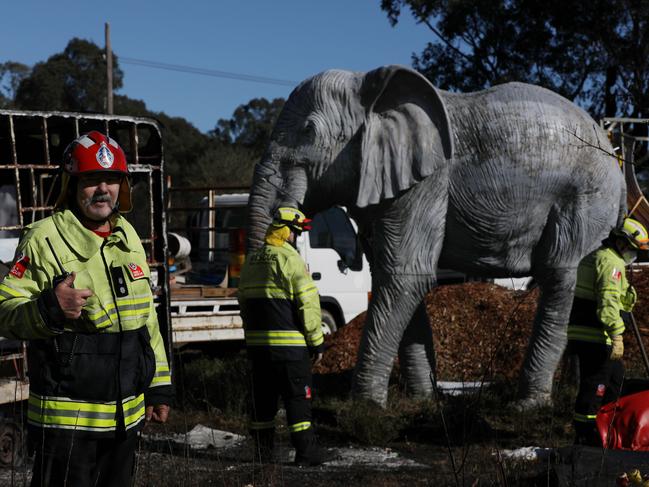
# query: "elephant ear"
[406,135]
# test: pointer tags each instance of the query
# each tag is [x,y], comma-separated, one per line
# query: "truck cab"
[335,260]
[331,251]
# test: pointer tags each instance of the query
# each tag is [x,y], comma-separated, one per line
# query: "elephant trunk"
[272,188]
[260,205]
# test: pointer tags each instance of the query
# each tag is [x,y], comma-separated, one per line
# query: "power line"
[206,72]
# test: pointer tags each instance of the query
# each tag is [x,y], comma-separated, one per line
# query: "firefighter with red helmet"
[602,297]
[280,308]
[79,291]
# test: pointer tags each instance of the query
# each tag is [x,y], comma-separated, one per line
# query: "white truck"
[203,297]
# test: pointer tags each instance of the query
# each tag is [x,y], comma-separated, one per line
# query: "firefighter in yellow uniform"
[79,291]
[596,325]
[280,308]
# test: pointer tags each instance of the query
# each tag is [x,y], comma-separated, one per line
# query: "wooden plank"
[209,335]
[185,292]
[210,292]
[201,292]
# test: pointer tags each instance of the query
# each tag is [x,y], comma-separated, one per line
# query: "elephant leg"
[416,354]
[394,302]
[407,241]
[549,336]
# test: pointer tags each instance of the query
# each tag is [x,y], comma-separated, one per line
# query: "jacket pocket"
[147,363]
[86,367]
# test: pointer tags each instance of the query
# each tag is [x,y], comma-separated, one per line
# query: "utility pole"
[109,72]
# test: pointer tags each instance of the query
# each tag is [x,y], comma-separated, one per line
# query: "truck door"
[335,261]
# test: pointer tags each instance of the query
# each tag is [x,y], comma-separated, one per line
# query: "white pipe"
[179,246]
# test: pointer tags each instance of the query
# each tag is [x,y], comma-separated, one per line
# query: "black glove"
[50,310]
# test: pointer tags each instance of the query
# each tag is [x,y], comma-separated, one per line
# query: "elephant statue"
[511,181]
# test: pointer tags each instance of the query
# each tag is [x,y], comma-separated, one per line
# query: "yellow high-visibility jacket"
[280,306]
[602,292]
[88,376]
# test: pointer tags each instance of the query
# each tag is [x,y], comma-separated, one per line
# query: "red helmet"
[95,152]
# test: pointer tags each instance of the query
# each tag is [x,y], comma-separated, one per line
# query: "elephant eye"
[309,129]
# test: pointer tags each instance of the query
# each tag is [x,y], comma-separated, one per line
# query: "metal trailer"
[202,313]
[630,140]
[31,147]
[207,319]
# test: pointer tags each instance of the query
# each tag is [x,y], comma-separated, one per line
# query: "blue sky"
[282,39]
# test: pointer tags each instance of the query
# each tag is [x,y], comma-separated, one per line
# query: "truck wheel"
[328,323]
[11,445]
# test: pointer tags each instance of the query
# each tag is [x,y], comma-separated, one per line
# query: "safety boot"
[307,451]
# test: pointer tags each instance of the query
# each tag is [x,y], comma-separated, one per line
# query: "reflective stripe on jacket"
[599,298]
[98,369]
[66,413]
[279,304]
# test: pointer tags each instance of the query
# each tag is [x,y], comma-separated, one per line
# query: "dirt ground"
[422,456]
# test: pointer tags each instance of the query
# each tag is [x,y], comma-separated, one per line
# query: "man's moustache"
[98,199]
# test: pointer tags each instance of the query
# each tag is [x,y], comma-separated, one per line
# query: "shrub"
[214,383]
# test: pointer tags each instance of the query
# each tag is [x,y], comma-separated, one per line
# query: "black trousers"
[292,381]
[600,383]
[77,462]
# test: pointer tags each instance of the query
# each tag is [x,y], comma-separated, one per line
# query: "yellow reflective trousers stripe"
[588,334]
[283,338]
[295,428]
[61,412]
[584,418]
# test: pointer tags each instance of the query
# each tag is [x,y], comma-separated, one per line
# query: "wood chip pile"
[480,331]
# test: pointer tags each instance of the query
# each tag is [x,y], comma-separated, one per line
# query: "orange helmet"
[95,152]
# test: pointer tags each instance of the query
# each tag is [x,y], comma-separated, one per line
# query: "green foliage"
[481,417]
[226,165]
[216,384]
[592,52]
[11,74]
[74,80]
[193,158]
[184,144]
[123,105]
[370,424]
[251,124]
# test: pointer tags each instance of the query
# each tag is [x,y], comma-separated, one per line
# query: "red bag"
[624,424]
